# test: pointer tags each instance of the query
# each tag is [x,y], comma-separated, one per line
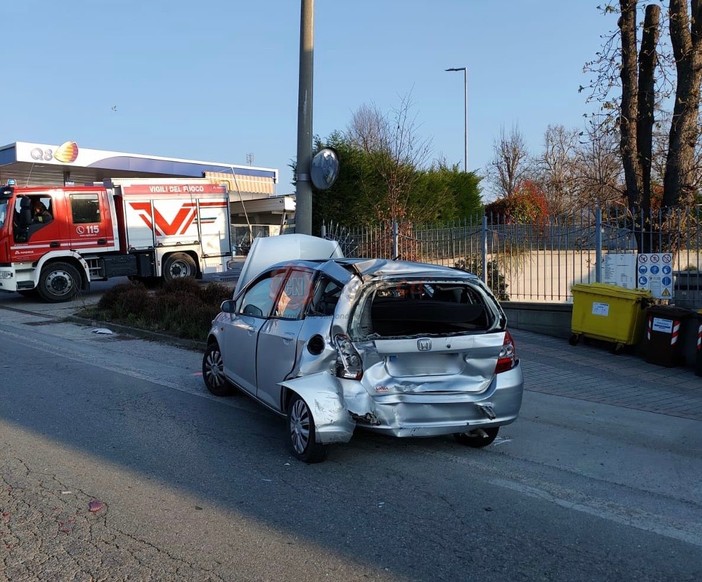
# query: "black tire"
[477,438]
[574,339]
[59,282]
[213,372]
[302,437]
[179,266]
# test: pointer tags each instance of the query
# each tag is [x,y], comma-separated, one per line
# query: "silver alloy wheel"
[299,426]
[214,368]
[213,374]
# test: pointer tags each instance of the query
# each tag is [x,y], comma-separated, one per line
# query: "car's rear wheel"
[477,438]
[213,372]
[302,436]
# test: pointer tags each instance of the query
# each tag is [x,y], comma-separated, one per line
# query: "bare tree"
[697,170]
[396,153]
[510,164]
[556,168]
[686,39]
[637,102]
[659,151]
[368,129]
[646,74]
[599,169]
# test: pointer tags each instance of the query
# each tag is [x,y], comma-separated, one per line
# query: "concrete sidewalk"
[592,373]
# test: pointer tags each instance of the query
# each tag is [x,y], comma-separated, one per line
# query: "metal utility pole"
[303,185]
[465,114]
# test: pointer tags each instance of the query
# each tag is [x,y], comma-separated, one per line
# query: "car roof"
[372,268]
[391,268]
[314,253]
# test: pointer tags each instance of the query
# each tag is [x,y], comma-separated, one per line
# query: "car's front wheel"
[302,436]
[477,438]
[213,372]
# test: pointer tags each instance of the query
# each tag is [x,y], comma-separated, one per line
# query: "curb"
[193,345]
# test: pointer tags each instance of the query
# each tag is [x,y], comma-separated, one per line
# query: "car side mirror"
[228,306]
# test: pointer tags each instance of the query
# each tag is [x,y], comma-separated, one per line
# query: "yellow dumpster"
[608,312]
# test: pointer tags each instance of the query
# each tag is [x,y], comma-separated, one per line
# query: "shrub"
[181,285]
[215,293]
[495,279]
[182,307]
[114,295]
[527,205]
[126,301]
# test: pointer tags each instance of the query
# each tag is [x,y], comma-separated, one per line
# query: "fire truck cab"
[55,240]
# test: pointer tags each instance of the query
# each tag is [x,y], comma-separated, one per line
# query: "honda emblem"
[424,345]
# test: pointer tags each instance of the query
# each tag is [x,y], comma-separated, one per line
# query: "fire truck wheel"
[58,282]
[179,265]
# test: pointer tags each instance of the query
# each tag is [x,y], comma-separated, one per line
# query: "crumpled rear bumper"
[434,414]
[339,405]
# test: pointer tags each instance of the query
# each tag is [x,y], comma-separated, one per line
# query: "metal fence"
[539,261]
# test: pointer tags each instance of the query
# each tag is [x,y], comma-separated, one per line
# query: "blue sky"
[217,80]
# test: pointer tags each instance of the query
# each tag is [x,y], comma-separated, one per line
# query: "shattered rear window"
[421,309]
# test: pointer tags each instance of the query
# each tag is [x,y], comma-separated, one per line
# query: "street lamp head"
[465,113]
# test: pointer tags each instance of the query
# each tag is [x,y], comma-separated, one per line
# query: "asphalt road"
[185,486]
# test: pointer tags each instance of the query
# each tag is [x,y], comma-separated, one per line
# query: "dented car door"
[278,339]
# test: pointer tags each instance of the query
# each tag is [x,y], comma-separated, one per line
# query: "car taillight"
[350,364]
[508,355]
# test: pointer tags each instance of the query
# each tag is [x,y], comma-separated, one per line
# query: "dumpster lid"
[670,311]
[609,290]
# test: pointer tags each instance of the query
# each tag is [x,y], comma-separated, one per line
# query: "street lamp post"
[465,114]
[303,184]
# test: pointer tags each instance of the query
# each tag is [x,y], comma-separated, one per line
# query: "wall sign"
[655,273]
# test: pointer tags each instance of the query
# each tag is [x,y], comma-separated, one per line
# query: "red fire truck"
[144,229]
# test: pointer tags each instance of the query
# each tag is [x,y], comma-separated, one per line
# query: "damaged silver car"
[334,344]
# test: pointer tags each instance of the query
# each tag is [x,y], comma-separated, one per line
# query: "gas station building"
[252,190]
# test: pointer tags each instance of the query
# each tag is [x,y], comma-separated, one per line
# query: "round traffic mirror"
[324,169]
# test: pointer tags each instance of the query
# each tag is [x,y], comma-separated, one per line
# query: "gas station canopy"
[37,164]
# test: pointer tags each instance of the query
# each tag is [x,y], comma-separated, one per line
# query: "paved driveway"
[592,373]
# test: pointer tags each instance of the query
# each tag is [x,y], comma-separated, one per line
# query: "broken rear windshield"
[421,308]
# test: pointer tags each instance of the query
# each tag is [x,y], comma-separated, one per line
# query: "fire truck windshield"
[3,211]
